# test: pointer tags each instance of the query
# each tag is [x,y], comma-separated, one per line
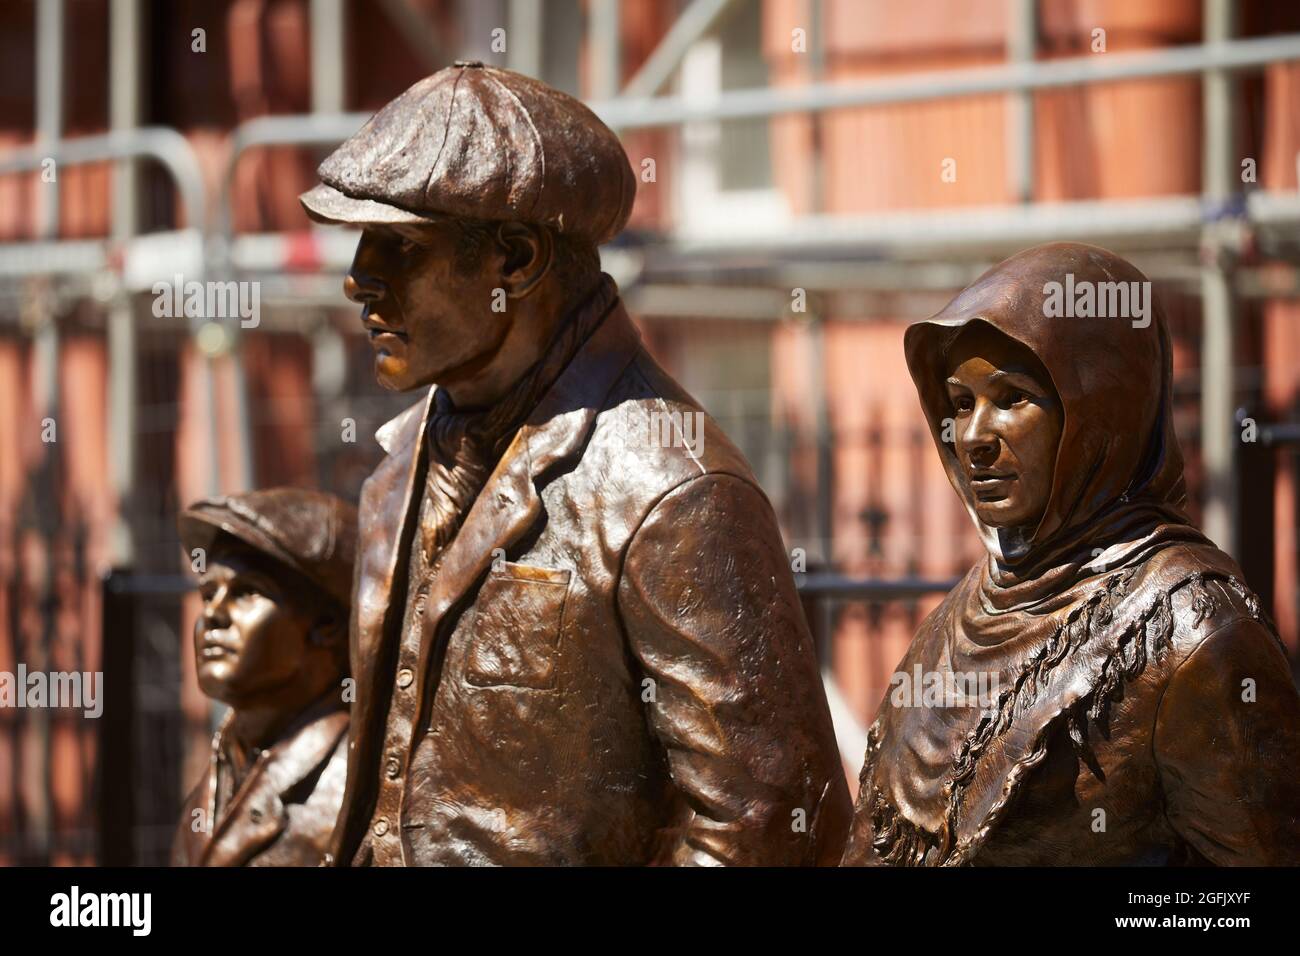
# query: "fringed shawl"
[1084,605]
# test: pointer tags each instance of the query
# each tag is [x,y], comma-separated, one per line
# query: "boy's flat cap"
[310,532]
[478,142]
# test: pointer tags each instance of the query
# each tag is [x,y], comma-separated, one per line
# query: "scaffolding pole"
[1218,308]
[693,23]
[124,114]
[45,349]
[1021,48]
[605,48]
[645,113]
[524,51]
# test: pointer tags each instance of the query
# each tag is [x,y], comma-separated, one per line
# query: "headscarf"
[1106,372]
[1062,613]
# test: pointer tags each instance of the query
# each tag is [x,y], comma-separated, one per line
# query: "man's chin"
[395,375]
[392,375]
[399,380]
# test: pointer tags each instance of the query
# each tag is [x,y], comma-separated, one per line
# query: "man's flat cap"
[478,142]
[310,532]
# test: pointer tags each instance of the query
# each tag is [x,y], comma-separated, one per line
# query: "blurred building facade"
[773,263]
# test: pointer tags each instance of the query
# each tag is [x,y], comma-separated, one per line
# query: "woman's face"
[1008,422]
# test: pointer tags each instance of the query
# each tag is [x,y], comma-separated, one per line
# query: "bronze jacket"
[614,665]
[283,811]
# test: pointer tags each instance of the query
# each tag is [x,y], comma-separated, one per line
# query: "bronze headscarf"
[1118,466]
[1062,613]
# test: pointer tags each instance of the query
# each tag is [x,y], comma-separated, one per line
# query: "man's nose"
[362,287]
[362,284]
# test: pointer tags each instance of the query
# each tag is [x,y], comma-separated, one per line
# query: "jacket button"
[404,677]
[381,827]
[393,768]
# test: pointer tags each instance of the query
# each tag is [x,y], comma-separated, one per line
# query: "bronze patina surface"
[1143,710]
[270,642]
[576,635]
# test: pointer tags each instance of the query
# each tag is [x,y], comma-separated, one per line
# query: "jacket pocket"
[516,638]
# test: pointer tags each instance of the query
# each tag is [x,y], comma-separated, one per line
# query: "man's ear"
[529,253]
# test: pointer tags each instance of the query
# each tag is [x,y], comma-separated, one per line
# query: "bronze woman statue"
[1140,708]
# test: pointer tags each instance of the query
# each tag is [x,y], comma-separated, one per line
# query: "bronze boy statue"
[1144,710]
[272,643]
[576,635]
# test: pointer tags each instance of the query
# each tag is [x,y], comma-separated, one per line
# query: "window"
[726,184]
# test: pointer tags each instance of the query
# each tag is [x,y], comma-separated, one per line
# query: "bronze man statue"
[1120,697]
[576,636]
[272,643]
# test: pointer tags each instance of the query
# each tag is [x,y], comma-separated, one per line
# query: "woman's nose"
[978,440]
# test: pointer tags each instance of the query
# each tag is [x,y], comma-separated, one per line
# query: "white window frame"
[703,208]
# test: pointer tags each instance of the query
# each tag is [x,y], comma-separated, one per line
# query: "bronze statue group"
[547,636]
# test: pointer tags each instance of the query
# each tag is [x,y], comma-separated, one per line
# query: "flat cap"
[478,142]
[310,532]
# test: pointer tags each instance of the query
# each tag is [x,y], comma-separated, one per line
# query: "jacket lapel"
[203,799]
[384,548]
[510,503]
[256,815]
[388,500]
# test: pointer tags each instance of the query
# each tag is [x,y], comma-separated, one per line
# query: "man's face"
[429,317]
[252,640]
[1008,426]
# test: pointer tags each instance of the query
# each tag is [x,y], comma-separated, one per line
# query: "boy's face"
[252,642]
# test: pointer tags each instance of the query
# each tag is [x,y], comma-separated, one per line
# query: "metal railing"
[889,234]
[165,145]
[1228,55]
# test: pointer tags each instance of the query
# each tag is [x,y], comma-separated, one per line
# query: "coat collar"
[256,814]
[572,401]
[509,503]
[400,431]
